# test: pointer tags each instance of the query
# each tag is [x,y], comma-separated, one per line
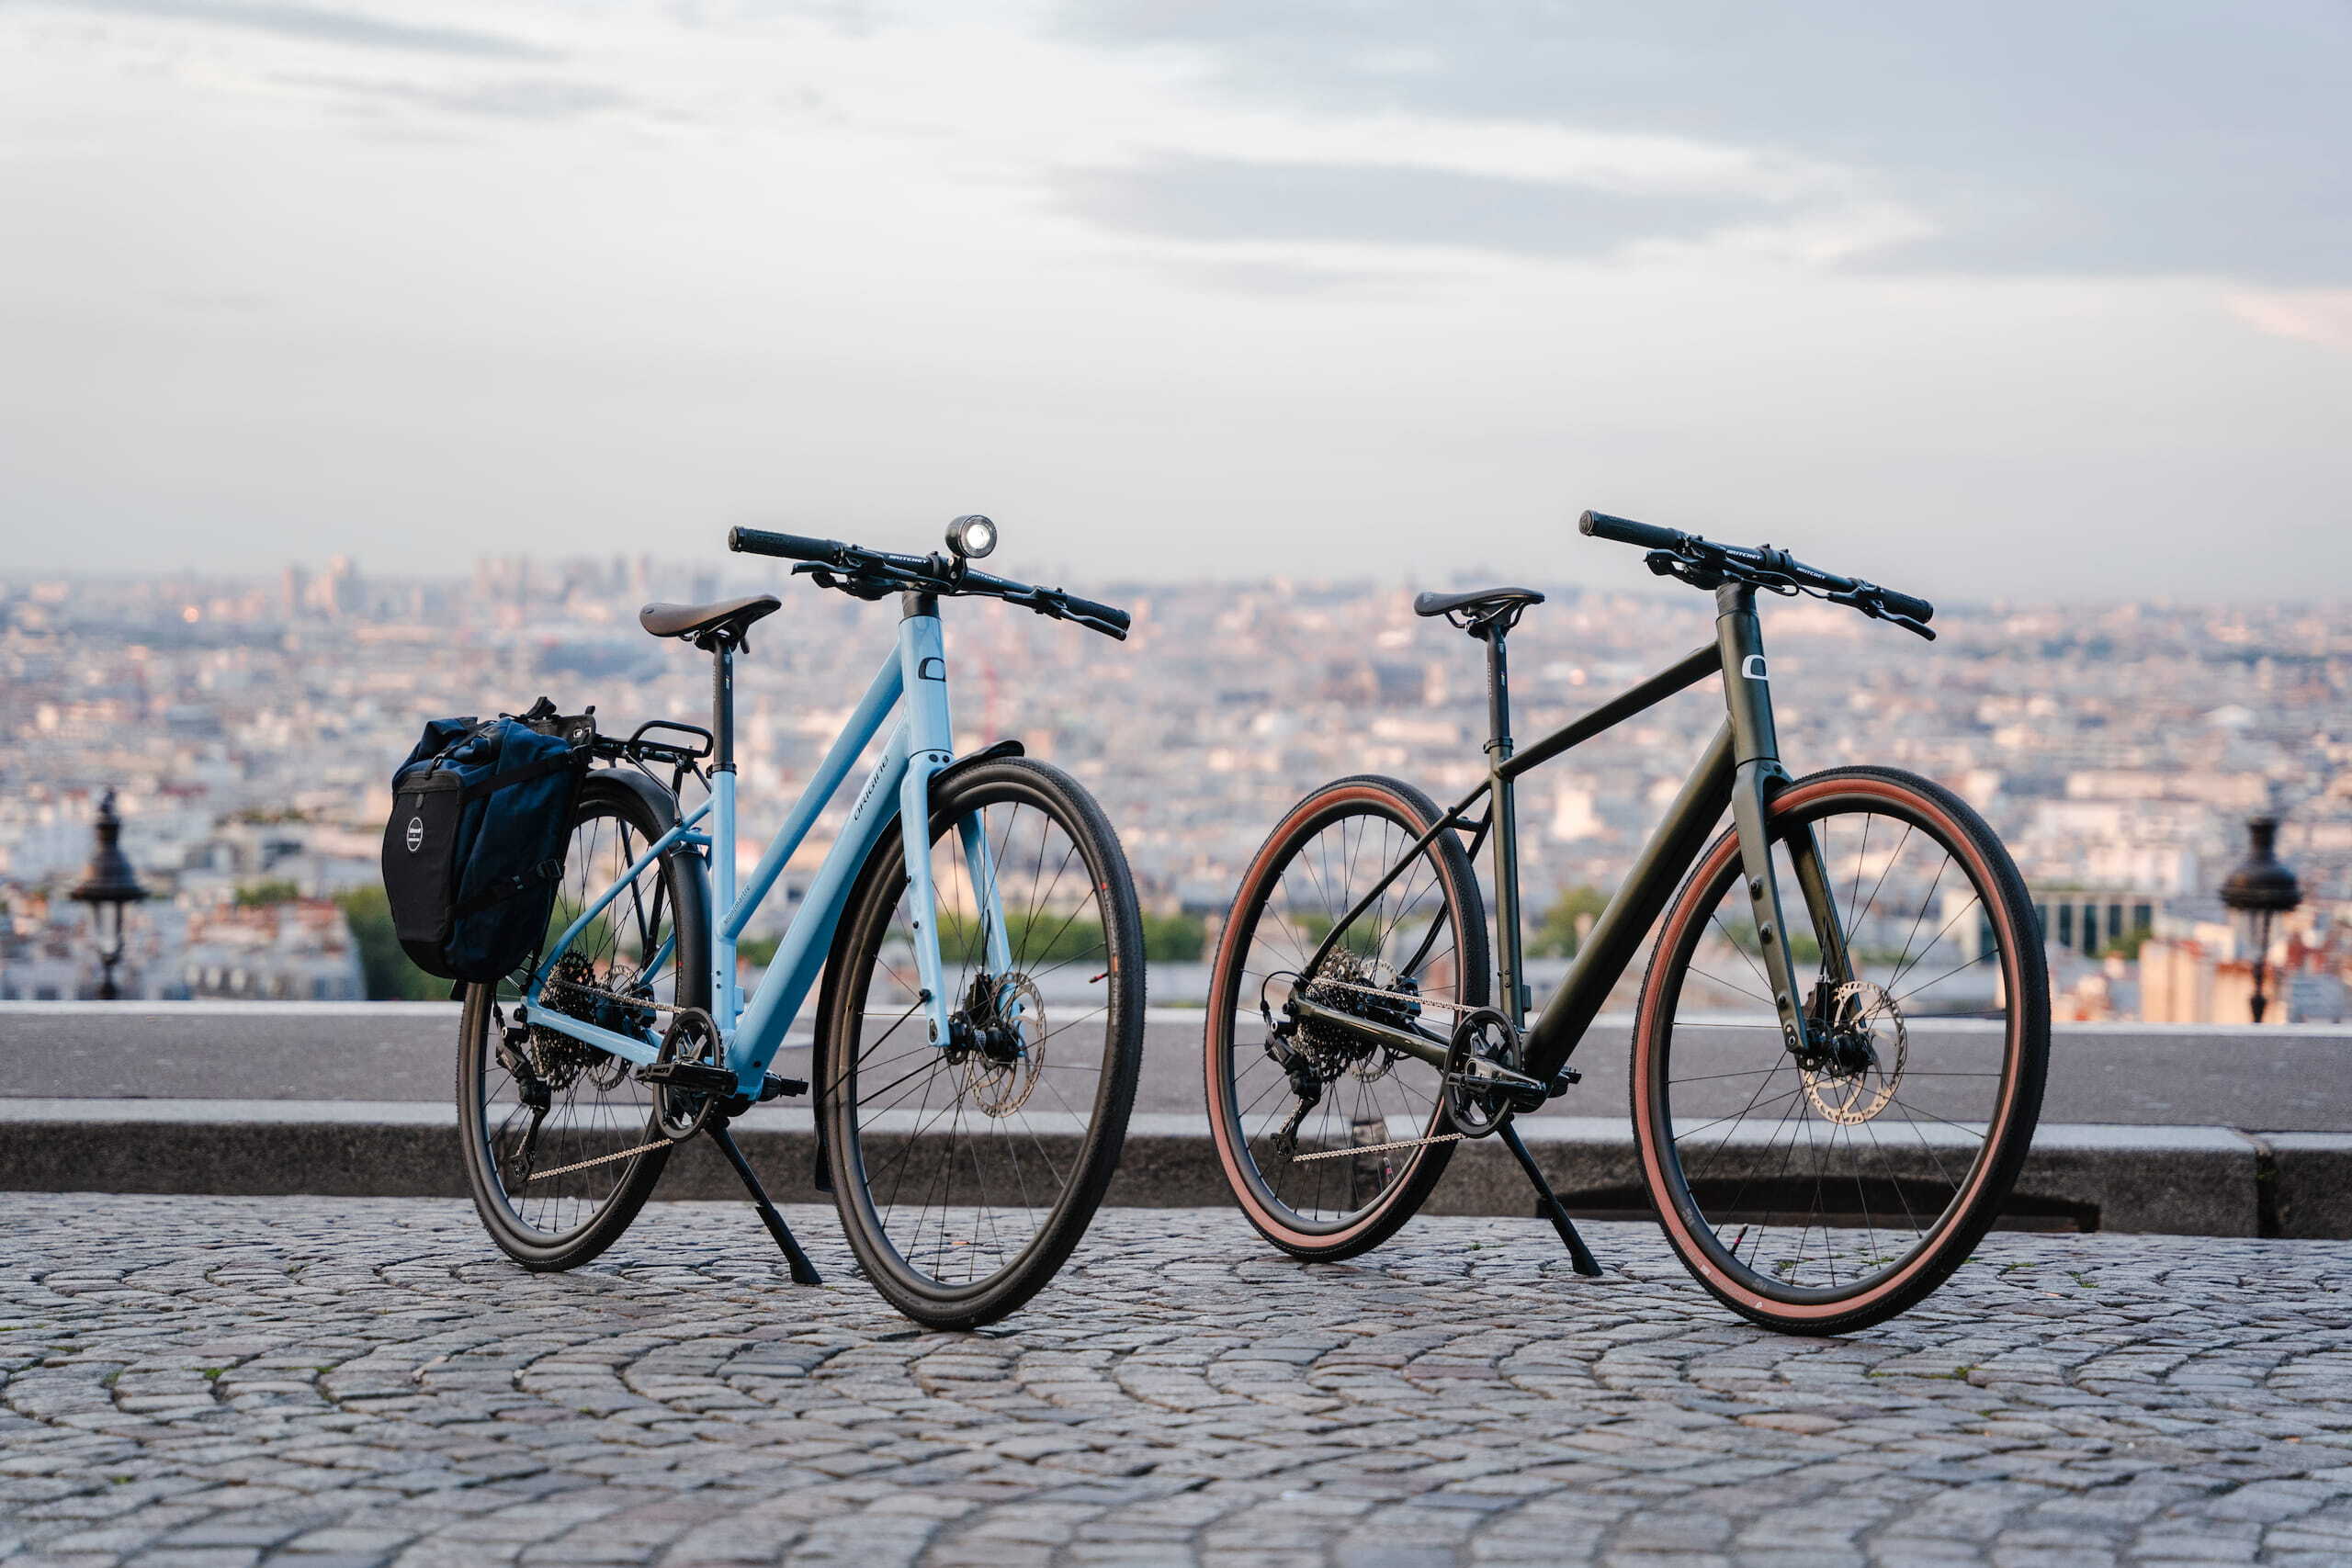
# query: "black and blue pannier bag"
[473,852]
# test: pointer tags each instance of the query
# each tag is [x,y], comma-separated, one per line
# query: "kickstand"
[803,1272]
[1547,1204]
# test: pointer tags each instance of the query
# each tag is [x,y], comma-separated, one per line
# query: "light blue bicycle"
[979,1023]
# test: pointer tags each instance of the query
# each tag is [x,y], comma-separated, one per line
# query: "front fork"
[1757,777]
[923,668]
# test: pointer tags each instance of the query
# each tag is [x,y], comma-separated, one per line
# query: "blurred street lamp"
[2257,892]
[108,885]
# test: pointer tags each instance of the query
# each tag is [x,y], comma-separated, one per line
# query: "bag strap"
[507,887]
[563,762]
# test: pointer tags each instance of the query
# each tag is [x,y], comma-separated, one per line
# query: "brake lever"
[1867,600]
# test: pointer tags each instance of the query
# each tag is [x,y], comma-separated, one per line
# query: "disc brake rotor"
[1849,1096]
[1000,1084]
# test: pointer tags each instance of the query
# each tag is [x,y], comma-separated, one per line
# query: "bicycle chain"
[600,1159]
[1381,1148]
[646,1002]
[1456,1008]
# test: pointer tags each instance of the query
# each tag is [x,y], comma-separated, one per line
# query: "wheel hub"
[1350,983]
[1002,1036]
[1854,1077]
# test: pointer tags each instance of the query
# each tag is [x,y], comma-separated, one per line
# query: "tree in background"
[1174,938]
[1562,926]
[389,976]
[2127,946]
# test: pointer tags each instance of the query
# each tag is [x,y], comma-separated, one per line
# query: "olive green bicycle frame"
[1740,768]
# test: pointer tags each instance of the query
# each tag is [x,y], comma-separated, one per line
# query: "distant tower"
[338,591]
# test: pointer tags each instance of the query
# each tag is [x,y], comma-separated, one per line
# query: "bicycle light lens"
[971,537]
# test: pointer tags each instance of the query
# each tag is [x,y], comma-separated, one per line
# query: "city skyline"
[251,723]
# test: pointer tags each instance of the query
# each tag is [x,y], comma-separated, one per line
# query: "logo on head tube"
[1753,666]
[415,834]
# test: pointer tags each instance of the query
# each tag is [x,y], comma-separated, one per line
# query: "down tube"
[1622,927]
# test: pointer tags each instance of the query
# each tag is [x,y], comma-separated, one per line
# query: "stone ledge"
[2182,1180]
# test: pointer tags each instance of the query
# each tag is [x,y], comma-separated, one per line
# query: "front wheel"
[1823,1190]
[967,1170]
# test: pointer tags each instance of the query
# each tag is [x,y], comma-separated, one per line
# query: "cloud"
[539,98]
[2099,138]
[2323,316]
[1202,198]
[321,24]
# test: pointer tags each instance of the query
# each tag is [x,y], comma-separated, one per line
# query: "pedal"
[693,1077]
[1569,1077]
[771,1087]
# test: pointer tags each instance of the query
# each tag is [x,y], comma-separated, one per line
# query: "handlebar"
[1705,564]
[872,573]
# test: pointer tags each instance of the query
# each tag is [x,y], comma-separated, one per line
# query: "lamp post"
[2257,892]
[106,888]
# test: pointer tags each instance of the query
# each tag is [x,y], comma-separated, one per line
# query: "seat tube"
[931,740]
[1503,803]
[1757,775]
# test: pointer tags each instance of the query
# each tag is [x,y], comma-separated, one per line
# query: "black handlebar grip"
[1625,531]
[1119,619]
[791,546]
[1918,610]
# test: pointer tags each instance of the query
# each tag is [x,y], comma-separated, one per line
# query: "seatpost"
[723,989]
[722,706]
[1513,1001]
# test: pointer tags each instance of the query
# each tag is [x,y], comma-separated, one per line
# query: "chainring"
[1481,1035]
[693,1040]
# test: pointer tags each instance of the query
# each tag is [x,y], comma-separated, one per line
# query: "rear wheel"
[1816,1194]
[542,1117]
[967,1173]
[1415,957]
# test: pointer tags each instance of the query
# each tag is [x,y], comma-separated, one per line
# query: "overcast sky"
[1992,300]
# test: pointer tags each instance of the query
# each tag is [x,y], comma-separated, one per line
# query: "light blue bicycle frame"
[899,787]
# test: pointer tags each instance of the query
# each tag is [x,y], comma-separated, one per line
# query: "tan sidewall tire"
[1989,1182]
[1399,802]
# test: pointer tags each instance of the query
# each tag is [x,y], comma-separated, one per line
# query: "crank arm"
[1480,1072]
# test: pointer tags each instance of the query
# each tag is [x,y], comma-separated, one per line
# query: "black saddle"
[720,620]
[1478,606]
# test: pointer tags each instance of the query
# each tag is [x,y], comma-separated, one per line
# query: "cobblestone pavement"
[205,1381]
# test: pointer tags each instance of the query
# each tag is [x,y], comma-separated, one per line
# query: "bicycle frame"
[1740,768]
[898,788]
